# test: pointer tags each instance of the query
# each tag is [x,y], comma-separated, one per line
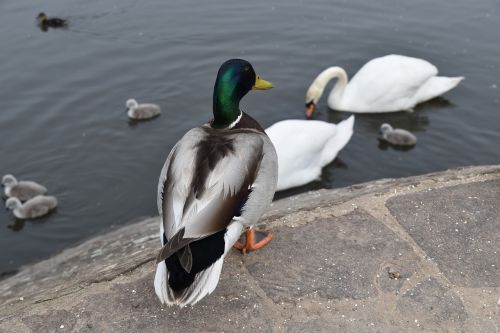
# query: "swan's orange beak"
[310,109]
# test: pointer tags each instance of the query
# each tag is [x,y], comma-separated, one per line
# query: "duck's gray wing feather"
[207,178]
[263,187]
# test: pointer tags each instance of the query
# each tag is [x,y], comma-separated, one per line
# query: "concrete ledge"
[411,254]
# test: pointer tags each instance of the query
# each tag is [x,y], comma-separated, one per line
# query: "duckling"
[44,22]
[142,111]
[397,136]
[22,190]
[33,208]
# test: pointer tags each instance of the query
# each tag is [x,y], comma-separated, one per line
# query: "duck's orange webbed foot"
[254,240]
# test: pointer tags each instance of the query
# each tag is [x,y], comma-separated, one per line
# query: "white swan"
[304,147]
[33,208]
[386,84]
[141,111]
[397,136]
[22,190]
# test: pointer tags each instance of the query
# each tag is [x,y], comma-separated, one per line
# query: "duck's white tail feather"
[161,281]
[435,86]
[344,131]
[204,283]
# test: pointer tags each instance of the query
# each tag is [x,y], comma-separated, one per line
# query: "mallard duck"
[22,190]
[142,111]
[33,208]
[304,147]
[387,84]
[397,136]
[44,22]
[217,180]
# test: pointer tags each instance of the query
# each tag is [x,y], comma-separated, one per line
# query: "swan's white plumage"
[304,147]
[386,84]
[436,86]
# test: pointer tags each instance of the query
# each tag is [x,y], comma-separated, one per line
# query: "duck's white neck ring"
[234,123]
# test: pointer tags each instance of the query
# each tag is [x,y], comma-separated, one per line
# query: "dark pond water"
[63,92]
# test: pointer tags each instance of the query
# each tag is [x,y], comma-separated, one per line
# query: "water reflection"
[384,145]
[416,120]
[135,122]
[413,121]
[18,224]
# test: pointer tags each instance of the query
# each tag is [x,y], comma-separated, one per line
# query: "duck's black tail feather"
[204,253]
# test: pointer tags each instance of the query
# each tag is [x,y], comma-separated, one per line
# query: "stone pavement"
[418,254]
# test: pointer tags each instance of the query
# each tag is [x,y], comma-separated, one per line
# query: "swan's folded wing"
[299,143]
[385,79]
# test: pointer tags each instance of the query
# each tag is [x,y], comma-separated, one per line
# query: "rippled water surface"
[63,92]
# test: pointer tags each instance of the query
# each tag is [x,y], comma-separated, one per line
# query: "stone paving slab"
[434,304]
[336,258]
[377,257]
[458,227]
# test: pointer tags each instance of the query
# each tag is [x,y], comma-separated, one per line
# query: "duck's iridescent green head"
[235,79]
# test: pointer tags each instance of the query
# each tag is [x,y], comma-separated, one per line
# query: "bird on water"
[44,22]
[142,111]
[386,84]
[35,207]
[397,136]
[23,190]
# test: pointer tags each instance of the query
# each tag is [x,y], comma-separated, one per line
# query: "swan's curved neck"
[319,84]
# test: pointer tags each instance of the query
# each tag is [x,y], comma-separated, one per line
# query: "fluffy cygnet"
[142,111]
[33,208]
[397,136]
[23,190]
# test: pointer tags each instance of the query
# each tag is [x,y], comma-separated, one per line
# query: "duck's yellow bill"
[261,84]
